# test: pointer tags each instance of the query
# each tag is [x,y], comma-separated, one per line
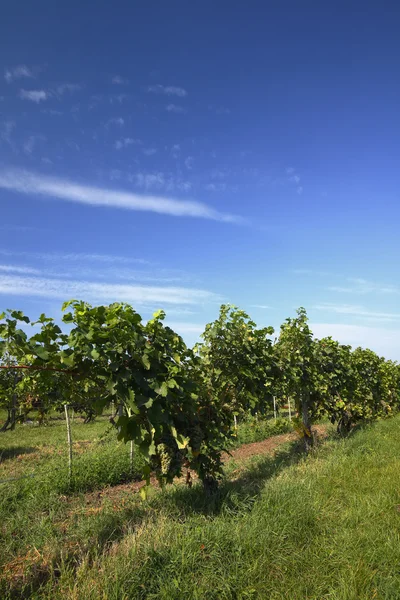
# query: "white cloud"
[115,121]
[311,272]
[18,269]
[357,311]
[294,178]
[160,181]
[219,110]
[219,173]
[118,80]
[31,142]
[34,95]
[263,306]
[189,163]
[168,90]
[6,130]
[183,328]
[42,95]
[175,150]
[175,108]
[124,142]
[149,151]
[216,187]
[101,292]
[150,180]
[33,184]
[76,257]
[386,342]
[184,186]
[363,286]
[52,111]
[67,87]
[118,98]
[17,73]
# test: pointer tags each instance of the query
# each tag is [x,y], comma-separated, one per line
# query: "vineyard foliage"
[178,404]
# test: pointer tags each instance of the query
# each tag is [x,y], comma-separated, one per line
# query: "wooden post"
[131,458]
[69,441]
[290,409]
[129,413]
[308,440]
[274,399]
[235,422]
[14,403]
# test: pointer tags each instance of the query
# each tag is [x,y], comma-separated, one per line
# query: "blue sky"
[178,156]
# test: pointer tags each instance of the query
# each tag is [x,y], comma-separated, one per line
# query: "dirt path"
[268,446]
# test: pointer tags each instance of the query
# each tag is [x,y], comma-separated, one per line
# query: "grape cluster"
[169,458]
[165,454]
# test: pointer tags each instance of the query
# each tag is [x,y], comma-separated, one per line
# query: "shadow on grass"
[236,494]
[9,453]
[234,497]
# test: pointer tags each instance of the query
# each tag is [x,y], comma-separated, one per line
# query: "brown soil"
[268,446]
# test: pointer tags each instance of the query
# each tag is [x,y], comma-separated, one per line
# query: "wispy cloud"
[262,306]
[118,80]
[124,142]
[294,177]
[31,142]
[18,72]
[34,184]
[175,151]
[175,108]
[183,328]
[363,286]
[70,88]
[219,110]
[6,130]
[110,259]
[34,95]
[168,90]
[43,95]
[357,311]
[149,151]
[161,181]
[52,111]
[19,269]
[386,342]
[102,292]
[119,121]
[216,187]
[117,98]
[311,272]
[189,162]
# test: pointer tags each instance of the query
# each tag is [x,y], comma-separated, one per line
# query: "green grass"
[256,430]
[41,453]
[36,496]
[325,527]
